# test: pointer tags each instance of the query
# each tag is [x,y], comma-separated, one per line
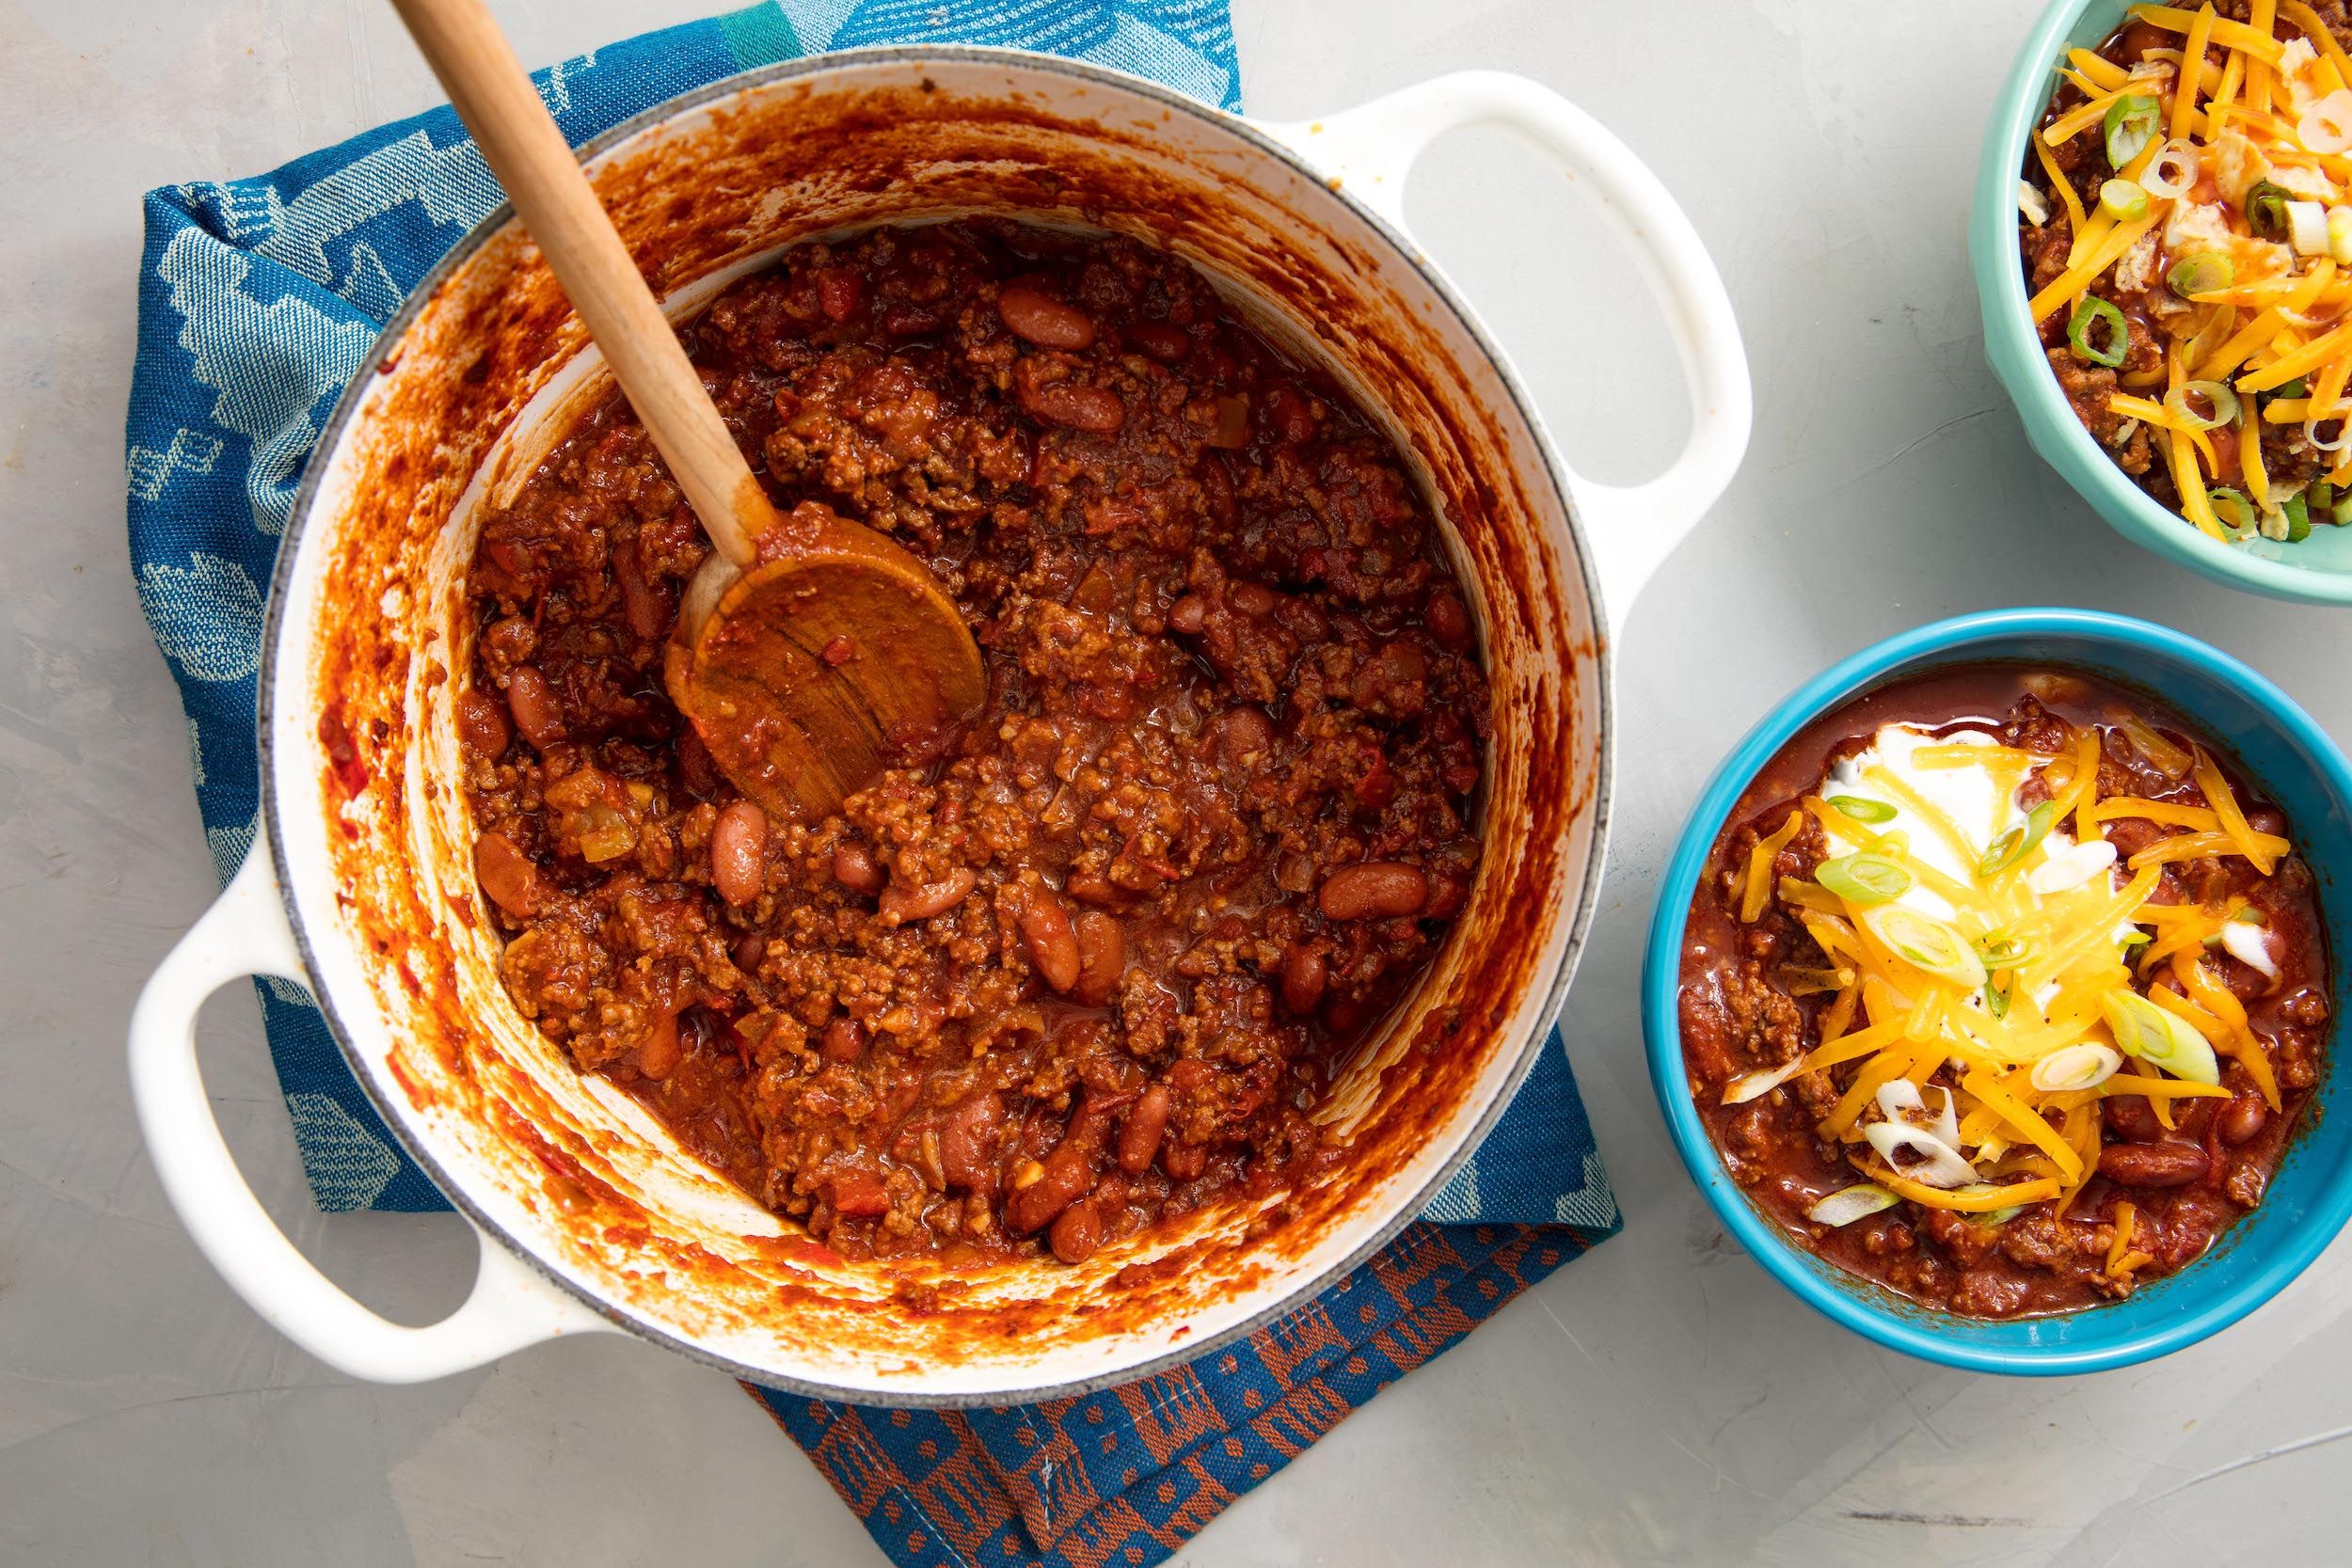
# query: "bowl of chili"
[2153,300]
[934,1103]
[2233,1255]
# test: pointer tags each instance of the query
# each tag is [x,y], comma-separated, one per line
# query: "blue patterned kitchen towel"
[259,298]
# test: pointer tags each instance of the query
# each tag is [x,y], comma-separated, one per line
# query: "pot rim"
[1555,984]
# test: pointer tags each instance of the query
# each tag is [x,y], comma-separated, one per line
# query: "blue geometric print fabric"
[259,298]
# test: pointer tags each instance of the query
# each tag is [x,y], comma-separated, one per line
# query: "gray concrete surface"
[1661,1402]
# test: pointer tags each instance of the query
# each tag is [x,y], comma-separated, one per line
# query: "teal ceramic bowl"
[2317,571]
[2297,766]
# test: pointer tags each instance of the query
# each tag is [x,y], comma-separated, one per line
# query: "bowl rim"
[2001,294]
[1550,985]
[1908,1328]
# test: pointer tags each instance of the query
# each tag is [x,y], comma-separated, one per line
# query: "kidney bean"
[1067,1174]
[2267,819]
[483,725]
[645,601]
[1304,975]
[855,868]
[1094,409]
[1293,415]
[842,1041]
[1139,1134]
[533,702]
[738,853]
[1052,941]
[901,903]
[1077,1231]
[1244,735]
[1375,889]
[1183,1161]
[749,950]
[839,292]
[1161,340]
[506,874]
[1189,614]
[2243,1119]
[968,1137]
[1042,320]
[2153,1164]
[1102,958]
[659,1055]
[1447,618]
[2130,1116]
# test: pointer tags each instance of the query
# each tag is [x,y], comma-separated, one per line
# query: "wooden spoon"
[810,651]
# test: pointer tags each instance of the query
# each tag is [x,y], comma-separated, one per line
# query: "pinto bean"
[482,723]
[1139,1134]
[2243,1119]
[1042,320]
[842,1041]
[506,874]
[1304,975]
[533,700]
[855,868]
[738,853]
[2153,1164]
[1052,941]
[1102,958]
[1244,734]
[1447,618]
[662,1052]
[901,903]
[1189,614]
[1374,890]
[507,642]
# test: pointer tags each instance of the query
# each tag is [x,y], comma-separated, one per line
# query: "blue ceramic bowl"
[2297,766]
[2318,570]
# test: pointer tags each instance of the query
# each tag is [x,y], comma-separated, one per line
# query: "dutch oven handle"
[244,933]
[1369,150]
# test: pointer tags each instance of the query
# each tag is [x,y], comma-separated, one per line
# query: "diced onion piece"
[2246,942]
[2220,402]
[1756,1085]
[1937,1163]
[2076,1066]
[2144,1030]
[2327,125]
[1925,943]
[2072,867]
[2306,228]
[2036,209]
[1849,1204]
[2171,172]
[2340,235]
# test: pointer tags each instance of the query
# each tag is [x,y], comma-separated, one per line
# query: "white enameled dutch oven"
[590,1216]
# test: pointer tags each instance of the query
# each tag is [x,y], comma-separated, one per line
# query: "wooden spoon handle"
[461,42]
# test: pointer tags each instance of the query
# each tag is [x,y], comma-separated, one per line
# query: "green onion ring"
[2095,313]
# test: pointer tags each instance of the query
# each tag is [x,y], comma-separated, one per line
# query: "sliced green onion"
[1863,809]
[1927,944]
[2299,387]
[2094,312]
[2013,846]
[1997,998]
[2235,512]
[1863,879]
[2144,1030]
[2073,1067]
[2202,273]
[2299,515]
[2135,941]
[2003,950]
[2123,200]
[2220,402]
[2266,209]
[1994,1218]
[2130,125]
[1849,1204]
[2341,514]
[2319,496]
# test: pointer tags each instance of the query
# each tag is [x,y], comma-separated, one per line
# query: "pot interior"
[486,369]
